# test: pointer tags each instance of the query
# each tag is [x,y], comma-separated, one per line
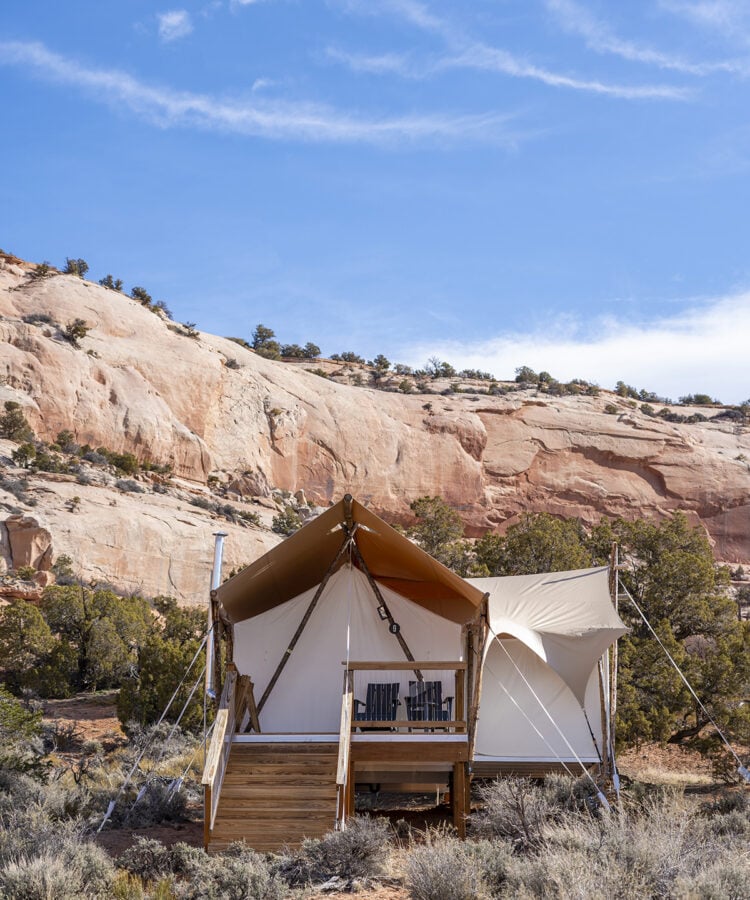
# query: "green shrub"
[513,808]
[114,284]
[128,486]
[146,858]
[13,424]
[141,295]
[359,851]
[40,270]
[75,331]
[38,319]
[77,267]
[20,730]
[241,341]
[286,522]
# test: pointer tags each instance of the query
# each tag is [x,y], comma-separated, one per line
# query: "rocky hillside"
[226,420]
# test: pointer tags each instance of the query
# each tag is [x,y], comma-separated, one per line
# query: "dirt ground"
[94,715]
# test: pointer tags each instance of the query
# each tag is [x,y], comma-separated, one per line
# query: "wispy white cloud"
[599,37]
[728,16]
[462,51]
[396,63]
[260,84]
[494,59]
[270,119]
[174,24]
[702,349]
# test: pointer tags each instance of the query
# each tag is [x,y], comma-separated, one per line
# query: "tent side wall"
[513,726]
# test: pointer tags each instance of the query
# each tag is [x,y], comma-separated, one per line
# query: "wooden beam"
[412,752]
[399,666]
[459,695]
[252,708]
[305,619]
[206,815]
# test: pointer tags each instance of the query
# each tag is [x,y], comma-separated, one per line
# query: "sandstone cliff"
[141,383]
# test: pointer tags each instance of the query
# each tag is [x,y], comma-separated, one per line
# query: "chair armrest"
[359,703]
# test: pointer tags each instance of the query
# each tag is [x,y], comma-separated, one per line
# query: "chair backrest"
[381,702]
[425,701]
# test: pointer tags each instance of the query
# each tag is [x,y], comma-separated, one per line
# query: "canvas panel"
[504,732]
[307,696]
[566,618]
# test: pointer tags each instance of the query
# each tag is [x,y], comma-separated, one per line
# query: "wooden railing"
[457,723]
[345,739]
[236,701]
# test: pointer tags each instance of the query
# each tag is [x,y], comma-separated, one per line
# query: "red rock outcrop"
[140,383]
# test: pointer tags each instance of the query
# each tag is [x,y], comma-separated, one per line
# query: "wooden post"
[350,790]
[460,702]
[603,699]
[305,619]
[252,708]
[206,815]
[479,639]
[458,798]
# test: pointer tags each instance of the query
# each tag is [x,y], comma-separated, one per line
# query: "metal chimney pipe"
[215,582]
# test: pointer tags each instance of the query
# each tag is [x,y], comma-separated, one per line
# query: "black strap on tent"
[394,629]
[305,619]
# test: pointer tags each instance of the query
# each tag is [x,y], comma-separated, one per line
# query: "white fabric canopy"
[307,696]
[513,726]
[565,618]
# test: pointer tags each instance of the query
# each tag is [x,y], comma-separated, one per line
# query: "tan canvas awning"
[302,560]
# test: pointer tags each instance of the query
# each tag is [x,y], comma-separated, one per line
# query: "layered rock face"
[140,383]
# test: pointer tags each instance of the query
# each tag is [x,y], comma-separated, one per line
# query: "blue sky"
[556,183]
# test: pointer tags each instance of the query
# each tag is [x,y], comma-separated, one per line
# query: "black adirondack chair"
[425,702]
[380,705]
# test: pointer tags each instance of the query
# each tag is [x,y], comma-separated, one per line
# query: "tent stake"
[303,623]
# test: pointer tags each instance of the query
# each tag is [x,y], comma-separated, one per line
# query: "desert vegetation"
[526,839]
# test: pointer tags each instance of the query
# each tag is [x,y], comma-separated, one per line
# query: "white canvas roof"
[565,618]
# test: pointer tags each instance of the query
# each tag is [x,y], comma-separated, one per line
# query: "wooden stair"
[274,795]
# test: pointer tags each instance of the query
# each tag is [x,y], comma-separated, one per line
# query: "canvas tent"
[545,635]
[348,604]
[346,623]
[380,568]
[541,695]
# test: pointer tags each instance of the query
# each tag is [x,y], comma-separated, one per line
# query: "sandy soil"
[94,715]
